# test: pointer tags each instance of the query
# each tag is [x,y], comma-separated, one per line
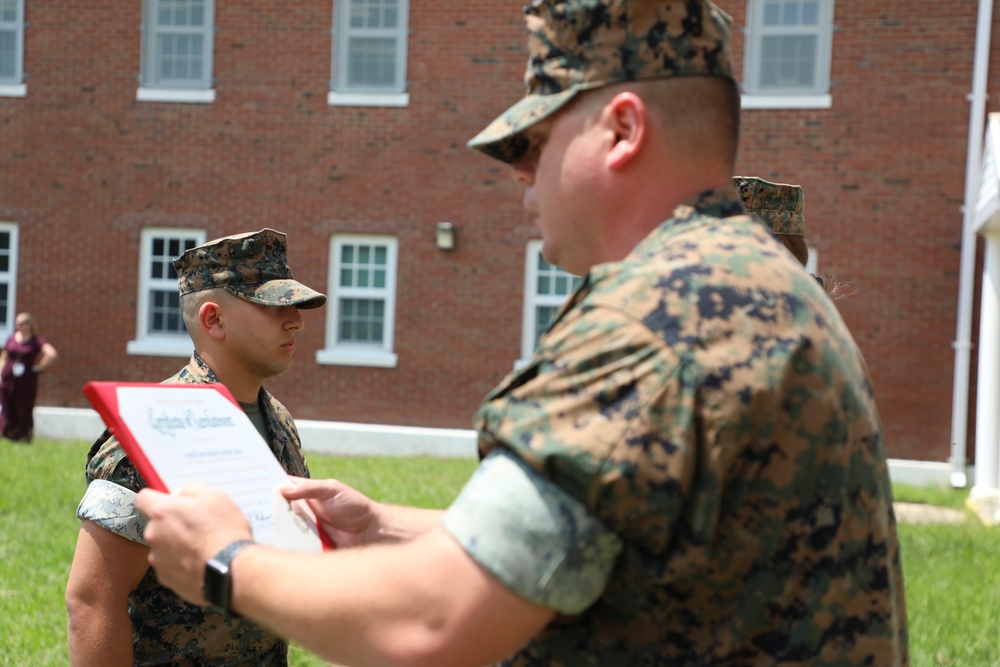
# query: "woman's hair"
[30,319]
[797,246]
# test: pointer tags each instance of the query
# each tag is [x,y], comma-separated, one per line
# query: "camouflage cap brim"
[504,138]
[279,293]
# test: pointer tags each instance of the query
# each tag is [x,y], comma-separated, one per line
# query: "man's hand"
[348,516]
[186,530]
[352,519]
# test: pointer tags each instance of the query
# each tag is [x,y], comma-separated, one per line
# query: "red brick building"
[129,132]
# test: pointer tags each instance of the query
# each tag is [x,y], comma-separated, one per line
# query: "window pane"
[363,277]
[810,13]
[543,317]
[379,281]
[4,241]
[791,14]
[346,278]
[165,313]
[8,10]
[347,254]
[788,62]
[390,19]
[4,304]
[771,13]
[372,62]
[361,321]
[380,255]
[364,254]
[357,13]
[8,42]
[544,284]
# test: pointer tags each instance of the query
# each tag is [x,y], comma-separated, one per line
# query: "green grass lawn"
[950,572]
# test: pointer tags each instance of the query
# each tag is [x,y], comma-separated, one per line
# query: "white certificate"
[197,433]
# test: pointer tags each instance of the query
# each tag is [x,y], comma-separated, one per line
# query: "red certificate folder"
[175,434]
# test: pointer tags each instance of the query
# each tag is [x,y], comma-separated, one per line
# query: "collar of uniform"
[199,371]
[711,204]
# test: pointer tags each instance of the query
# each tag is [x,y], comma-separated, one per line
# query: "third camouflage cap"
[779,204]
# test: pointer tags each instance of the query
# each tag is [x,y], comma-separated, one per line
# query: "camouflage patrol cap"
[779,204]
[253,266]
[576,45]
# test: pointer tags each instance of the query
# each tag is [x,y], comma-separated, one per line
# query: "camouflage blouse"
[704,400]
[167,630]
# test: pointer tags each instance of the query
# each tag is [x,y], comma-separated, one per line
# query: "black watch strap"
[217,584]
[230,550]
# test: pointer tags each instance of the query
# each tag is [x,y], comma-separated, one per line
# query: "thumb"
[148,501]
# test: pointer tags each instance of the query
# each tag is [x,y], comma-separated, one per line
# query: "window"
[369,53]
[8,277]
[160,329]
[362,290]
[788,51]
[177,45]
[545,289]
[12,49]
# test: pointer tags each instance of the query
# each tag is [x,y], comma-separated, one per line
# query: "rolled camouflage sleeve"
[112,507]
[533,537]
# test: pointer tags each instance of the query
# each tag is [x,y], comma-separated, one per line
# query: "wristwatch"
[217,586]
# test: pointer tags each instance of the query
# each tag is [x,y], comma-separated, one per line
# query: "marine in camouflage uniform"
[691,469]
[167,630]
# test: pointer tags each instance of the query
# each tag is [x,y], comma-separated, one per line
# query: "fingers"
[149,501]
[311,488]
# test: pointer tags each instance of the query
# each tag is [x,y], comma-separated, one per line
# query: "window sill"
[13,90]
[338,99]
[786,101]
[346,357]
[181,95]
[153,347]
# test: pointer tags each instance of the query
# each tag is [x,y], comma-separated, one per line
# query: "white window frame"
[812,262]
[9,278]
[158,344]
[533,300]
[757,97]
[341,94]
[379,355]
[14,86]
[152,88]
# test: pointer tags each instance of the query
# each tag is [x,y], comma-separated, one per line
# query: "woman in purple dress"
[25,355]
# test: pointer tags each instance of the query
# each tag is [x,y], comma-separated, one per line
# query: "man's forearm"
[419,603]
[398,523]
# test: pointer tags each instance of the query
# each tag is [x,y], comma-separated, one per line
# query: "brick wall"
[84,168]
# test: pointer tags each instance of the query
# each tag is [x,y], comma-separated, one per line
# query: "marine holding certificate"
[241,306]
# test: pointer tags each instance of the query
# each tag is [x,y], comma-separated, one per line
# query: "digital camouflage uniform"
[690,470]
[167,630]
[704,401]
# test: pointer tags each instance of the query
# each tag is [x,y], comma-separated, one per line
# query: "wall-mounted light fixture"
[444,235]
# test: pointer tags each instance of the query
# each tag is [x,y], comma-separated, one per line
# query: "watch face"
[216,585]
